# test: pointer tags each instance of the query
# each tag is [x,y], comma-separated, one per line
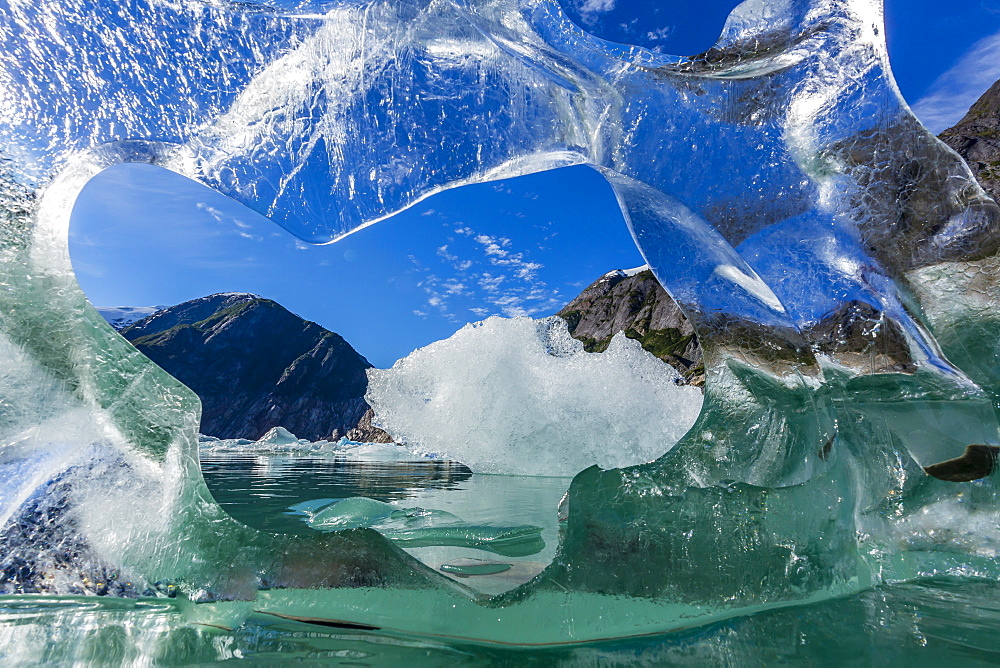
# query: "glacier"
[839,264]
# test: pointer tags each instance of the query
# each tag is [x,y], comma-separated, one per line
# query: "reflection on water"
[259,489]
[440,512]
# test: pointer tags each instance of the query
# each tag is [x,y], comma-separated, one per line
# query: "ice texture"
[423,527]
[838,263]
[520,396]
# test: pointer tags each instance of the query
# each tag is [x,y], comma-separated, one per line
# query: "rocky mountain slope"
[635,303]
[255,365]
[977,139]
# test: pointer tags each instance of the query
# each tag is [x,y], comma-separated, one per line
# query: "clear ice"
[840,266]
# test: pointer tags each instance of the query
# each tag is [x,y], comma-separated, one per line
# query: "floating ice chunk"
[279,436]
[279,440]
[420,527]
[351,513]
[520,396]
[379,452]
[470,567]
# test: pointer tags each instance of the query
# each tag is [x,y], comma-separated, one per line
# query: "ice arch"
[832,254]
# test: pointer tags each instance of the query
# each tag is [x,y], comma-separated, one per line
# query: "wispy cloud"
[241,228]
[952,93]
[482,274]
[591,9]
[490,283]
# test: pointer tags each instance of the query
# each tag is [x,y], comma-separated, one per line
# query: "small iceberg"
[281,441]
[465,568]
[420,527]
[281,436]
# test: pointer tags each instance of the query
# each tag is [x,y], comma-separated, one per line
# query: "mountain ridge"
[976,137]
[256,365]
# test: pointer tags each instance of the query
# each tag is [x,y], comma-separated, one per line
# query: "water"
[938,620]
[282,494]
[933,619]
[259,489]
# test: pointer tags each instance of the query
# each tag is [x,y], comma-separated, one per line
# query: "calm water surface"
[263,491]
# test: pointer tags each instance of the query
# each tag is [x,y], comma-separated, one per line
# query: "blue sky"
[143,236]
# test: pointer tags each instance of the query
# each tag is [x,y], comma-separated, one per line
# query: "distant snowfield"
[626,273]
[120,317]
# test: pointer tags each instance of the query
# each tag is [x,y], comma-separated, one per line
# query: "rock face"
[635,303]
[255,365]
[977,139]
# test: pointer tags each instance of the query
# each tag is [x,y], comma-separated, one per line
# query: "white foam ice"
[520,396]
[952,524]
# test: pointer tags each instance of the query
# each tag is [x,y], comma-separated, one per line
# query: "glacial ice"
[421,527]
[521,397]
[839,264]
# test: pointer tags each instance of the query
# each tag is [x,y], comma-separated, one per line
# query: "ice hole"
[143,237]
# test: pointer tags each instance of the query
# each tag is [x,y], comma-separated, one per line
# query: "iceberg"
[521,397]
[840,266]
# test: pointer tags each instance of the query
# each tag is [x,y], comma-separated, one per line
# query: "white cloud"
[527,270]
[221,218]
[660,34]
[482,274]
[952,93]
[589,9]
[491,283]
[442,251]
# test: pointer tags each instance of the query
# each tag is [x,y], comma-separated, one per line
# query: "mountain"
[977,139]
[255,365]
[121,317]
[634,302]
